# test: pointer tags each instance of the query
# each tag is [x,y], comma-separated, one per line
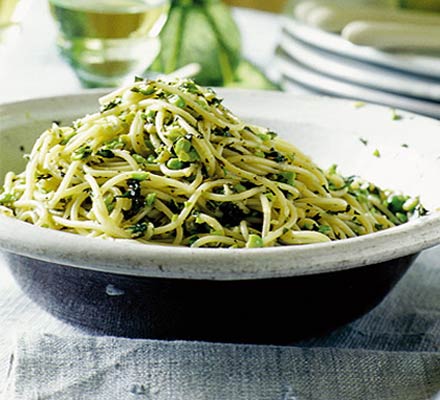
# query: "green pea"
[177,101]
[254,241]
[140,176]
[7,198]
[174,163]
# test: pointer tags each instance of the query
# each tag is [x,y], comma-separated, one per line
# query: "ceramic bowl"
[271,295]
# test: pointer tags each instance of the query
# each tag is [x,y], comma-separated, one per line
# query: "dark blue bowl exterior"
[277,311]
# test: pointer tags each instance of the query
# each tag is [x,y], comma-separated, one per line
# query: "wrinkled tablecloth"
[393,352]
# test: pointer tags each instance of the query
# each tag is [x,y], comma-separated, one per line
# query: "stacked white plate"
[314,60]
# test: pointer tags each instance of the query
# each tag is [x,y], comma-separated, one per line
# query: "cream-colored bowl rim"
[131,258]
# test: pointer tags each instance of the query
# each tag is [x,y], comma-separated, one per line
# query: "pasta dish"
[166,162]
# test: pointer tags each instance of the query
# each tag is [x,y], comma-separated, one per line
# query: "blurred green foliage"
[204,32]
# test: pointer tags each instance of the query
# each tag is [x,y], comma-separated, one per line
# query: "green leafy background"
[204,32]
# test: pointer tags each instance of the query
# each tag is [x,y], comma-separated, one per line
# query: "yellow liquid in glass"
[9,18]
[7,10]
[108,40]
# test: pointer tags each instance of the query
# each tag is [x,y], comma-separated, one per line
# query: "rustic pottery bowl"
[271,295]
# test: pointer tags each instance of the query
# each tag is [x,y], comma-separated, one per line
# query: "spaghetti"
[165,162]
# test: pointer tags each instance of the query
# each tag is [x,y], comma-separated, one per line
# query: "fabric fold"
[79,367]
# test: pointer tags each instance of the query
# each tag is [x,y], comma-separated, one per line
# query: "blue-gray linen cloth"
[392,353]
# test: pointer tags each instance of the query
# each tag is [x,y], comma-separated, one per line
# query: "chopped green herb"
[359,104]
[149,116]
[275,156]
[190,87]
[6,198]
[420,210]
[231,214]
[333,169]
[82,153]
[177,101]
[150,199]
[395,116]
[402,217]
[114,144]
[202,103]
[396,202]
[269,135]
[363,141]
[133,193]
[193,239]
[239,188]
[263,137]
[291,157]
[222,132]
[324,229]
[67,138]
[376,153]
[111,104]
[138,229]
[148,90]
[105,153]
[41,177]
[287,177]
[109,204]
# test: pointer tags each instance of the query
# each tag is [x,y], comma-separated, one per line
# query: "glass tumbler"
[108,42]
[11,13]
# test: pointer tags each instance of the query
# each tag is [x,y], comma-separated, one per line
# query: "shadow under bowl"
[273,311]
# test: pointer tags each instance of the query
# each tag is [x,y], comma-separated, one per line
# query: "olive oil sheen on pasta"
[107,41]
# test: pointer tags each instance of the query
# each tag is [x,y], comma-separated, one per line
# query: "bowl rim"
[127,257]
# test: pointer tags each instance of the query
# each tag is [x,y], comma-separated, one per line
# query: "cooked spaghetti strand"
[165,162]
